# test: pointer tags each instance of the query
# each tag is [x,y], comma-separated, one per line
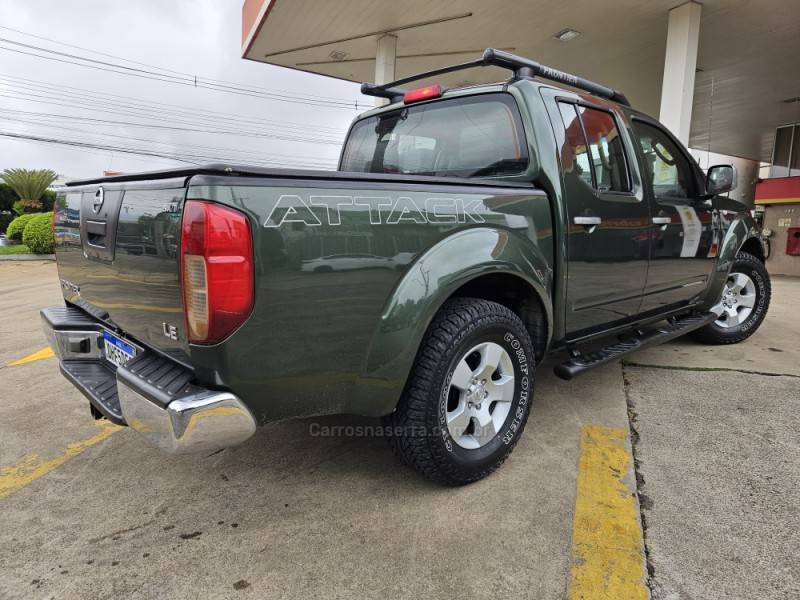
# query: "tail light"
[216,270]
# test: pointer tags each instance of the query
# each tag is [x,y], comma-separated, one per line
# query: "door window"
[596,151]
[575,151]
[605,145]
[667,171]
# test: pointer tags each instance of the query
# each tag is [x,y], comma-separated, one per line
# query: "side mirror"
[721,179]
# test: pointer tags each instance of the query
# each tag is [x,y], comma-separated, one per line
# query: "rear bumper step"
[582,362]
[151,394]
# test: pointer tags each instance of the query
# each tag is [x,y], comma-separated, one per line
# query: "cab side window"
[608,154]
[575,151]
[667,171]
[596,150]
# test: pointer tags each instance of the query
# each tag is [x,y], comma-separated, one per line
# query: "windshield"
[476,136]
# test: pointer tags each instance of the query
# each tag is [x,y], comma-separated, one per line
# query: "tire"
[463,340]
[717,333]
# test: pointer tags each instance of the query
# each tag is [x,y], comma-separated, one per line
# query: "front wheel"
[469,394]
[743,305]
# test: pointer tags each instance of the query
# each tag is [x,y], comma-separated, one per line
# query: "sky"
[269,116]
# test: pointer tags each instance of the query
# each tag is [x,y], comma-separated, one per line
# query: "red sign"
[778,190]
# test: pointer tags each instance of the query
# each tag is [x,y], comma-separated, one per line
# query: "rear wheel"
[743,305]
[469,394]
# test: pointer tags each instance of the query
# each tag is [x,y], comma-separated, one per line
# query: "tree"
[7,197]
[29,184]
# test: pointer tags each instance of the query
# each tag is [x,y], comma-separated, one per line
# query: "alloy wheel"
[480,395]
[737,302]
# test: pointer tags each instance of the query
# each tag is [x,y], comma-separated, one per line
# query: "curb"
[24,257]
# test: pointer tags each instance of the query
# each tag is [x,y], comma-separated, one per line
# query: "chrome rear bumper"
[201,422]
[152,394]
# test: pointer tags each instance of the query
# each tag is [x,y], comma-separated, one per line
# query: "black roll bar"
[522,67]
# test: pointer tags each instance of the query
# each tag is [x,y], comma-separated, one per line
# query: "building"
[779,195]
[721,74]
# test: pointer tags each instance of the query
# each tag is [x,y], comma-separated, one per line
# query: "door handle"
[96,233]
[662,221]
[590,223]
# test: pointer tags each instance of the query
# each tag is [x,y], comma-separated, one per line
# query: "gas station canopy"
[746,54]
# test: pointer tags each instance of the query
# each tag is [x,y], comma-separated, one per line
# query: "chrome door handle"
[662,220]
[587,220]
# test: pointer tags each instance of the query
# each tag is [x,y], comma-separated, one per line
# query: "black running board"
[580,362]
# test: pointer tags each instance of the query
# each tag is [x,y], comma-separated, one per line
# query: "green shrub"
[17,226]
[38,234]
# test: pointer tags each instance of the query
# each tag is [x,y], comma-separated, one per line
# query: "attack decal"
[294,210]
[382,210]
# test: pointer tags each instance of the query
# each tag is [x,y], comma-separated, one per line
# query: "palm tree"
[29,184]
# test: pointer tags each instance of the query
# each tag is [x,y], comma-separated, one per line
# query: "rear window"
[478,136]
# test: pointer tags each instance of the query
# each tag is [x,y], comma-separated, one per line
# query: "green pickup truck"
[467,235]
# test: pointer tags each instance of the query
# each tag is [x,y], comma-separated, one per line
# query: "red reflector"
[216,270]
[425,93]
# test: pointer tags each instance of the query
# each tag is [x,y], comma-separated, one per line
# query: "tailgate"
[117,250]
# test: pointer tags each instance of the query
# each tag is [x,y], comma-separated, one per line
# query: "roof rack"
[522,67]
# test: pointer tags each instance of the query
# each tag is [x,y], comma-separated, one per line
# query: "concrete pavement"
[284,515]
[720,466]
[92,512]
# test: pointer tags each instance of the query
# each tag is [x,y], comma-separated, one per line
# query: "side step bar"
[580,362]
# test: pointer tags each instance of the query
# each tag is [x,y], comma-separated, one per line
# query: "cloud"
[199,37]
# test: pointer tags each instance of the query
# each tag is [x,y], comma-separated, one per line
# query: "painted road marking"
[607,545]
[43,353]
[32,466]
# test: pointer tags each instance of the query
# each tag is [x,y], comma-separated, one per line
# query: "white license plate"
[117,351]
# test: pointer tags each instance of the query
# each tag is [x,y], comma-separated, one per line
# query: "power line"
[19,136]
[139,109]
[152,114]
[180,107]
[263,134]
[210,152]
[196,159]
[186,80]
[104,122]
[168,80]
[157,108]
[143,64]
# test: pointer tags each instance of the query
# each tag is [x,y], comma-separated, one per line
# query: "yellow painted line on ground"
[32,466]
[607,545]
[43,353]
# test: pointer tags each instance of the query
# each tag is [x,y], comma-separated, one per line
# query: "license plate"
[117,351]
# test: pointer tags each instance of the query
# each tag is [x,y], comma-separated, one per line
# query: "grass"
[17,249]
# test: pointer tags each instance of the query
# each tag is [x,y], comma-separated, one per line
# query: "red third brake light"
[216,270]
[425,93]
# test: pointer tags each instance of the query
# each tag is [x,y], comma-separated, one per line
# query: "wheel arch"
[740,234]
[474,262]
[517,294]
[752,245]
